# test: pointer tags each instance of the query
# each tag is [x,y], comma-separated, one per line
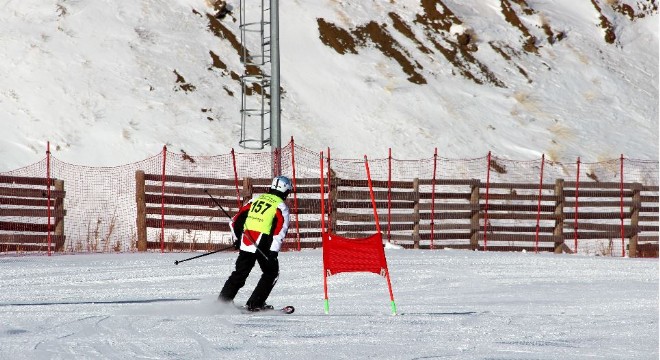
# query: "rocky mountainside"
[111,82]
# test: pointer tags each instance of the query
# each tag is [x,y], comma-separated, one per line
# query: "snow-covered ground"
[451,303]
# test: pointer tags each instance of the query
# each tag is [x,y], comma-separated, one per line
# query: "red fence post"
[325,274]
[50,239]
[389,195]
[435,163]
[623,246]
[329,193]
[322,196]
[577,207]
[486,207]
[295,192]
[538,212]
[162,203]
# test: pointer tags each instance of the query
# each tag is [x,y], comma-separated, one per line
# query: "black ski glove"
[237,244]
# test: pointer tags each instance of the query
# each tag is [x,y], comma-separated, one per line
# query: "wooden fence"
[422,213]
[31,214]
[185,203]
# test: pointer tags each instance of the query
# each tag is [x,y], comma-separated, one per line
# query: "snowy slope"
[110,82]
[451,304]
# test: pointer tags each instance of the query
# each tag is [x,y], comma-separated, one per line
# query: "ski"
[288,309]
[285,310]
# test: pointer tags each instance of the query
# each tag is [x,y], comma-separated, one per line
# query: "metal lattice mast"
[260,85]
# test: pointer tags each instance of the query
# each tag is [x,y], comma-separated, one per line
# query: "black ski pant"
[244,263]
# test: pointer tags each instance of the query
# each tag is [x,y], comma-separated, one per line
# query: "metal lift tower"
[260,86]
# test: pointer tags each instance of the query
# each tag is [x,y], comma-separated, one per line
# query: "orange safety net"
[433,202]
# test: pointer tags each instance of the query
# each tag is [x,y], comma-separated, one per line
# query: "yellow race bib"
[262,213]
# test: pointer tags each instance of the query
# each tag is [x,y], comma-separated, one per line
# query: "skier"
[259,228]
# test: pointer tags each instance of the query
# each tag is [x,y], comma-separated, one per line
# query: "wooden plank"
[652,188]
[607,185]
[591,235]
[309,182]
[23,201]
[364,234]
[448,182]
[23,180]
[648,238]
[32,212]
[599,227]
[180,190]
[189,200]
[30,193]
[519,237]
[648,227]
[262,181]
[649,199]
[33,239]
[312,224]
[345,216]
[516,207]
[597,194]
[306,235]
[512,186]
[439,206]
[375,183]
[517,229]
[20,248]
[596,204]
[367,205]
[24,227]
[313,204]
[445,235]
[508,248]
[519,197]
[522,216]
[189,246]
[301,211]
[212,213]
[439,215]
[379,195]
[309,190]
[592,185]
[453,215]
[593,215]
[397,237]
[189,225]
[445,196]
[311,244]
[445,226]
[190,180]
[372,227]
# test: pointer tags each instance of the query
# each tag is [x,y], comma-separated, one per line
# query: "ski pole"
[176,262]
[230,219]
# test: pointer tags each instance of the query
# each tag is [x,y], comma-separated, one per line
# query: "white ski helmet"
[281,184]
